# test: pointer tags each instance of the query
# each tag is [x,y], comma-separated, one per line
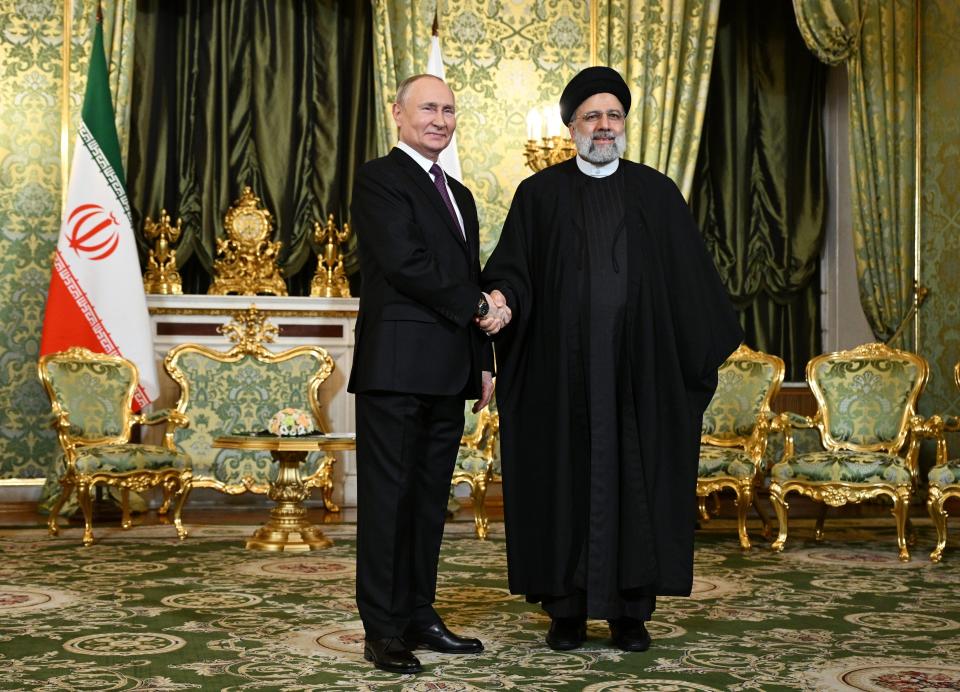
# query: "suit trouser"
[406,449]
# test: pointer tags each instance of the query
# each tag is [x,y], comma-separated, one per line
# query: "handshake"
[497,317]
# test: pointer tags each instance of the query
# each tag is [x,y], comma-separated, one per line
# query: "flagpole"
[65,103]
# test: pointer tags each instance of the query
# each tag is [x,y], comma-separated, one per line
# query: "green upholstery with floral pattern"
[91,396]
[735,430]
[719,461]
[240,390]
[478,460]
[843,466]
[129,457]
[865,400]
[239,395]
[742,388]
[866,405]
[945,474]
[91,417]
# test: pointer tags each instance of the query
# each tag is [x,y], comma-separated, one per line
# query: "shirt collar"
[595,171]
[421,160]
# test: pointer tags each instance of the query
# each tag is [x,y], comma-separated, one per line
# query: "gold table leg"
[288,528]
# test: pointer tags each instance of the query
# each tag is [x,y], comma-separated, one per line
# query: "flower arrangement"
[291,421]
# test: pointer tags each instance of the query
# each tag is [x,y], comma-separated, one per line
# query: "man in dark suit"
[420,353]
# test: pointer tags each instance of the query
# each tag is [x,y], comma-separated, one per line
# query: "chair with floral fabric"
[91,396]
[239,390]
[735,429]
[478,461]
[866,404]
[943,479]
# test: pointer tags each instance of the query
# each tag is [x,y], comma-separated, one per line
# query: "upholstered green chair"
[866,404]
[943,479]
[91,396]
[239,390]
[735,429]
[478,461]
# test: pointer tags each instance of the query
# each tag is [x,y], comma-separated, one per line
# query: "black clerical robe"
[675,331]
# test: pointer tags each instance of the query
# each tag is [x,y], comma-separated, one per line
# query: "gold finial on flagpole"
[436,22]
[99,12]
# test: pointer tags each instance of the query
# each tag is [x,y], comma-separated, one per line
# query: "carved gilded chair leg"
[821,517]
[716,503]
[86,506]
[901,507]
[326,485]
[767,530]
[702,507]
[911,532]
[185,487]
[168,485]
[66,489]
[479,492]
[744,500]
[781,508]
[935,502]
[125,521]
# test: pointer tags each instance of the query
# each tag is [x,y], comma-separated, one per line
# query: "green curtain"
[664,49]
[877,43]
[275,95]
[760,192]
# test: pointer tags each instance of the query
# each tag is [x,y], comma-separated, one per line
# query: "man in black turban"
[619,324]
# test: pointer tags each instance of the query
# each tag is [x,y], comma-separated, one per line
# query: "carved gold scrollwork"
[330,281]
[162,276]
[247,258]
[548,151]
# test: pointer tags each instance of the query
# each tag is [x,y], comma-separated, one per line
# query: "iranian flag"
[96,297]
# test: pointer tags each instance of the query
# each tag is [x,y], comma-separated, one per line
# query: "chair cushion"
[724,461]
[129,457]
[943,475]
[849,467]
[97,416]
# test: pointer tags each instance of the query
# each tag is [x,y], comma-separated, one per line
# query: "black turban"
[593,80]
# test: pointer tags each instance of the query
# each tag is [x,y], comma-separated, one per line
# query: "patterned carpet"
[138,611]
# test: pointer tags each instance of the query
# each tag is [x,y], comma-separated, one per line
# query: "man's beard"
[600,154]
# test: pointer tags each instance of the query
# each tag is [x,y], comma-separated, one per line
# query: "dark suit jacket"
[415,332]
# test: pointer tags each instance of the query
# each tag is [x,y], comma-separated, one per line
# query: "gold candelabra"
[548,151]
[330,281]
[545,143]
[162,275]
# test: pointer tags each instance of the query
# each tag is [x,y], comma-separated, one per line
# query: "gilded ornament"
[247,258]
[162,276]
[330,281]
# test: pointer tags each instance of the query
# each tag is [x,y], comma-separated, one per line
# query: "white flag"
[449,158]
[96,297]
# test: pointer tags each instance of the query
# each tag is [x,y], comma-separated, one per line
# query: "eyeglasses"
[594,116]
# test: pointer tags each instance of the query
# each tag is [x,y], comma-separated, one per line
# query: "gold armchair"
[943,479]
[478,461]
[91,396]
[866,401]
[241,389]
[735,429]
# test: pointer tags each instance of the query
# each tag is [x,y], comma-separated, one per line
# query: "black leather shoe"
[437,637]
[391,654]
[629,634]
[566,633]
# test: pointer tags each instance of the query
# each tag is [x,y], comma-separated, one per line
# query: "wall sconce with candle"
[546,143]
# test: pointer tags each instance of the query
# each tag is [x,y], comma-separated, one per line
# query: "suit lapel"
[425,183]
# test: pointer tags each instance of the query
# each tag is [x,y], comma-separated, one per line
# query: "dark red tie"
[441,184]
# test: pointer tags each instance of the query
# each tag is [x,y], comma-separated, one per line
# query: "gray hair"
[405,85]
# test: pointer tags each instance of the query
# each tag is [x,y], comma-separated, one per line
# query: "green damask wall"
[940,187]
[502,58]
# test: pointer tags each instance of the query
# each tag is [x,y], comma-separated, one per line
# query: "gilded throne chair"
[943,479]
[735,429]
[239,390]
[91,396]
[866,403]
[478,460]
